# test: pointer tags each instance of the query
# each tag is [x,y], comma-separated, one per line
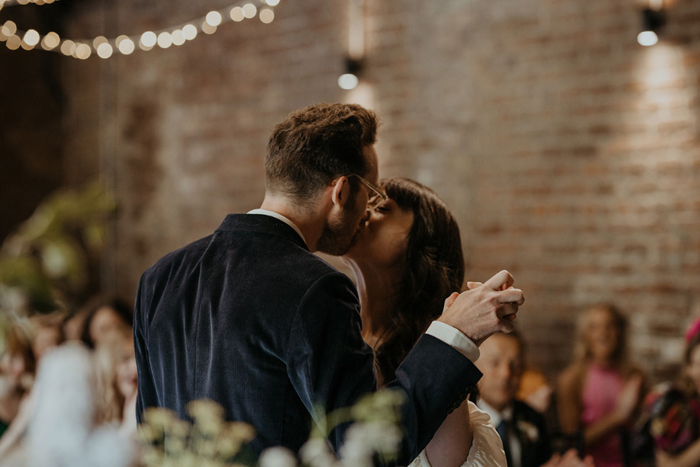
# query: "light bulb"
[149,39]
[647,38]
[189,31]
[267,16]
[83,51]
[126,46]
[51,41]
[105,50]
[13,42]
[214,18]
[237,14]
[249,10]
[348,81]
[178,37]
[31,38]
[68,47]
[164,40]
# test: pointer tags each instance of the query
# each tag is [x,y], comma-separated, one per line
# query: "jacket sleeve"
[146,389]
[331,367]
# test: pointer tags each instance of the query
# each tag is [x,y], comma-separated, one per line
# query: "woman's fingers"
[450,300]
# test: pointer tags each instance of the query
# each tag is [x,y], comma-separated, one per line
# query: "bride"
[406,256]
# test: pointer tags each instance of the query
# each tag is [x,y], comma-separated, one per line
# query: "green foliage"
[47,259]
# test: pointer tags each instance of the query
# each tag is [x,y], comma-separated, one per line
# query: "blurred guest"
[104,317]
[535,391]
[74,324]
[600,391]
[521,428]
[671,419]
[63,431]
[117,379]
[16,374]
[47,333]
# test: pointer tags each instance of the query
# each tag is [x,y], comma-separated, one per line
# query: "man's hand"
[485,309]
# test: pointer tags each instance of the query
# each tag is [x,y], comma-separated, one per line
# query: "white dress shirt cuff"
[455,338]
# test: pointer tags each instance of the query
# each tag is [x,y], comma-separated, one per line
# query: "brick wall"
[30,127]
[569,153]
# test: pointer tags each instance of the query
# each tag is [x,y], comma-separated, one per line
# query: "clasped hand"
[485,308]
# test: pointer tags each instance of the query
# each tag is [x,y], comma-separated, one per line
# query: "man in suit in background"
[250,318]
[522,429]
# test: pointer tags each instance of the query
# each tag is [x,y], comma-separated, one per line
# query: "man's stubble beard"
[338,235]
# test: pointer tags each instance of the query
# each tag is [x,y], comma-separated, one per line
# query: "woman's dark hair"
[121,308]
[433,268]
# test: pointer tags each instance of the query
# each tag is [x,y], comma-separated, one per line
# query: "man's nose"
[366,215]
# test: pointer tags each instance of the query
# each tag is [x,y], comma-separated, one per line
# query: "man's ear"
[341,192]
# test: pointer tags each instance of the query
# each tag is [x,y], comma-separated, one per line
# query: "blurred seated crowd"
[105,328]
[600,408]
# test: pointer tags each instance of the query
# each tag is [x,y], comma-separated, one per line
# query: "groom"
[250,318]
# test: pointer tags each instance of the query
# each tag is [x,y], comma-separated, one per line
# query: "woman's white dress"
[486,449]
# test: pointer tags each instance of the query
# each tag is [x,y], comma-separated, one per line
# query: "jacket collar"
[261,224]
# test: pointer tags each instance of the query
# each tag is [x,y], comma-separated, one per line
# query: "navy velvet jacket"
[249,318]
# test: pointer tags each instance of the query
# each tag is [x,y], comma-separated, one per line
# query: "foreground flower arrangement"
[210,441]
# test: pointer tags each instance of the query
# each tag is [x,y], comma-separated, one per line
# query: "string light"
[214,18]
[68,47]
[9,28]
[25,2]
[237,14]
[178,37]
[249,10]
[31,38]
[13,42]
[164,40]
[126,46]
[104,50]
[105,47]
[149,39]
[267,15]
[99,40]
[83,51]
[189,31]
[208,28]
[50,41]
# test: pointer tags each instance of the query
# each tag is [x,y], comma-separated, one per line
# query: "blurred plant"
[47,260]
[208,442]
[212,442]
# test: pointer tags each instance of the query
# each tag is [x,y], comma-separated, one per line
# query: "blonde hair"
[582,350]
[110,399]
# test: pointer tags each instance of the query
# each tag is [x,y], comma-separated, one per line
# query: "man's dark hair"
[315,144]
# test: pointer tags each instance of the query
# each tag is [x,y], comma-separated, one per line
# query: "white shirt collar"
[496,416]
[276,215]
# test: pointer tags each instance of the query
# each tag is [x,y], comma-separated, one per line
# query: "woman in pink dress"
[600,391]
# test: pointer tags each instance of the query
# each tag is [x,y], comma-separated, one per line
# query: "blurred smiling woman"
[600,391]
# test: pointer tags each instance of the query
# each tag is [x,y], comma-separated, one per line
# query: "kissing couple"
[250,318]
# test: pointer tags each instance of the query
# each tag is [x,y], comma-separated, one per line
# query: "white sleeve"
[454,337]
[486,449]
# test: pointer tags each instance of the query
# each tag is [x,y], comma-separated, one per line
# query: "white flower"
[530,431]
[316,453]
[363,440]
[277,457]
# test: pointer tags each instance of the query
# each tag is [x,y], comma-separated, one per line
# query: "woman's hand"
[629,399]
